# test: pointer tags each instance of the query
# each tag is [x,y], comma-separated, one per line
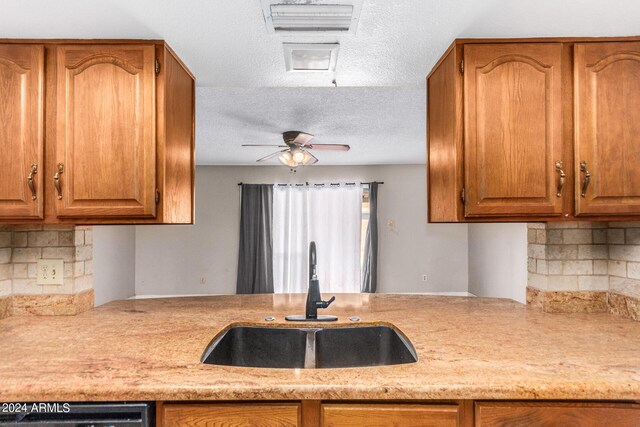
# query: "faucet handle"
[325,304]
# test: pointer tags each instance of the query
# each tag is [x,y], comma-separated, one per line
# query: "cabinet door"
[405,415]
[513,129]
[561,414]
[241,414]
[106,131]
[607,128]
[21,130]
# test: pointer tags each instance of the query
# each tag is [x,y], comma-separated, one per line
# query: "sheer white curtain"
[290,238]
[329,215]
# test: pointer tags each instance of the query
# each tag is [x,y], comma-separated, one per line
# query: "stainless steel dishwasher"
[78,414]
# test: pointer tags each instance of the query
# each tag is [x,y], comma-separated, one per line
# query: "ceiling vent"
[311,57]
[324,17]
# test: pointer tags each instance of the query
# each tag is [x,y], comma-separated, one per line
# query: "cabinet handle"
[30,183]
[561,179]
[587,178]
[56,180]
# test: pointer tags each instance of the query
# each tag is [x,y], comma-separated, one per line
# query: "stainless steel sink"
[363,346]
[258,347]
[331,347]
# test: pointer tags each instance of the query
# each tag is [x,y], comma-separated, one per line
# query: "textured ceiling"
[245,94]
[382,125]
[226,43]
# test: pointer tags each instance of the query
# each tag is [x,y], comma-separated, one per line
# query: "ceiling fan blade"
[263,145]
[311,160]
[334,147]
[302,138]
[271,156]
[294,137]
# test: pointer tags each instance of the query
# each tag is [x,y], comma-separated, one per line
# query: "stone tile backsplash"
[582,252]
[22,246]
[568,256]
[585,257]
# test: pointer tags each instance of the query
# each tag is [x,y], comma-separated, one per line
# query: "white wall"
[202,259]
[498,260]
[113,262]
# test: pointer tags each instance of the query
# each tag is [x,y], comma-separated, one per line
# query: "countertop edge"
[315,392]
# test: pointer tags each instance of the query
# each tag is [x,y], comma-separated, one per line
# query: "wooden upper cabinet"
[512,129]
[21,130]
[535,130]
[607,128]
[105,159]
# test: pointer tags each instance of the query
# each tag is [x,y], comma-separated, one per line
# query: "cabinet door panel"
[241,414]
[405,415]
[513,129]
[106,133]
[550,414]
[607,127]
[21,130]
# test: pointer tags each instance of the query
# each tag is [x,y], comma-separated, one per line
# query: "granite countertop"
[468,348]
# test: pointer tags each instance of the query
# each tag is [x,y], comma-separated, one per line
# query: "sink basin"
[363,346]
[258,347]
[331,347]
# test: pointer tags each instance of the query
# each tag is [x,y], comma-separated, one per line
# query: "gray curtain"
[370,264]
[255,259]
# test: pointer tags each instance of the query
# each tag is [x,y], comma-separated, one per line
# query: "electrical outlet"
[424,277]
[50,272]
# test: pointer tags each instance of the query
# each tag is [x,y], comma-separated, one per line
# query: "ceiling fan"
[297,148]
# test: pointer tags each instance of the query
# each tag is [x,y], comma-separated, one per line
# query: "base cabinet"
[461,413]
[209,415]
[569,414]
[406,415]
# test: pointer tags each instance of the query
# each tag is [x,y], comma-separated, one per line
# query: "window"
[278,222]
[335,217]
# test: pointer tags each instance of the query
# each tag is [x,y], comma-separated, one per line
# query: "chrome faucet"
[314,299]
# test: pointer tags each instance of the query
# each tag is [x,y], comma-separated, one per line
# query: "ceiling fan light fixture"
[286,159]
[297,149]
[299,156]
[296,157]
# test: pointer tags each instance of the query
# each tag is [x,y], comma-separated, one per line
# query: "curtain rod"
[321,185]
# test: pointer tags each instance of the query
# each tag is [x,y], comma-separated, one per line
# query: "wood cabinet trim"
[446,143]
[463,413]
[565,40]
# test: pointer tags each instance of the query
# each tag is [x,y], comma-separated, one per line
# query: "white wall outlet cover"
[50,272]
